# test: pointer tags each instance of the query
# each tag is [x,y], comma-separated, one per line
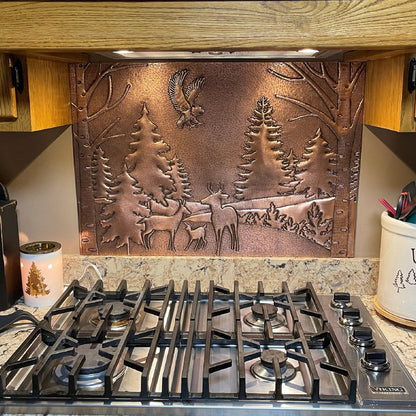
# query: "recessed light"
[308,51]
[124,52]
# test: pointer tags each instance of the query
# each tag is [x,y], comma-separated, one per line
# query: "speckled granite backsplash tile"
[356,275]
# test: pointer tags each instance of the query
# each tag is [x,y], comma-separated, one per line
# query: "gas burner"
[263,369]
[92,372]
[118,318]
[256,317]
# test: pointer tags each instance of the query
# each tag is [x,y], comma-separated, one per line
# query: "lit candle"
[42,272]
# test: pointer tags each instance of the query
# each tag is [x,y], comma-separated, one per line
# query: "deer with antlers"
[222,217]
[164,223]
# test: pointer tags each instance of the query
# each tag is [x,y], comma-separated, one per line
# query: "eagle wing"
[175,91]
[194,88]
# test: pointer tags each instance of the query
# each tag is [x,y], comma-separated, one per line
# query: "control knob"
[362,337]
[375,360]
[350,317]
[341,300]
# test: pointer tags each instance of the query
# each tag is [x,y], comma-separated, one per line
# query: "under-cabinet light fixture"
[306,53]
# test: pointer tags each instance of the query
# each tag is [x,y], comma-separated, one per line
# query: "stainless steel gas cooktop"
[162,351]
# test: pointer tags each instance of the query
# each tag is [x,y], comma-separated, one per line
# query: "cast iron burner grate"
[91,374]
[164,345]
[264,368]
[262,311]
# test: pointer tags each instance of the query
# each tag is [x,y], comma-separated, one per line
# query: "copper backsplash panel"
[217,158]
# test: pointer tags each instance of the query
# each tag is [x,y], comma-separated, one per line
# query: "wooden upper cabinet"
[388,103]
[44,101]
[89,26]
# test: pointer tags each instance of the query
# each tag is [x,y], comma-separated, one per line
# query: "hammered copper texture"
[225,158]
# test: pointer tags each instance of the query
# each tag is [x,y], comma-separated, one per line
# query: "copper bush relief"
[272,168]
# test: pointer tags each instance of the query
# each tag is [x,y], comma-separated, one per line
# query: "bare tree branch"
[107,106]
[331,127]
[330,121]
[316,73]
[110,91]
[112,68]
[324,74]
[101,138]
[284,77]
[357,74]
[327,75]
[114,136]
[107,101]
[357,112]
[326,99]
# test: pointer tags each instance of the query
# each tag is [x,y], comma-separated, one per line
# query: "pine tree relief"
[147,163]
[101,174]
[122,215]
[317,169]
[36,285]
[262,171]
[398,281]
[181,180]
[290,169]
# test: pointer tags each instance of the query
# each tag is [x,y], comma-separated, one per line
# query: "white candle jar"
[42,272]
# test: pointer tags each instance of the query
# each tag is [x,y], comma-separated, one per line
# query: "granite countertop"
[402,339]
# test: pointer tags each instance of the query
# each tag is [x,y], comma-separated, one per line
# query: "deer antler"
[209,187]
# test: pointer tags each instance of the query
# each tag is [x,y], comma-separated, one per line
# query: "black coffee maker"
[10,278]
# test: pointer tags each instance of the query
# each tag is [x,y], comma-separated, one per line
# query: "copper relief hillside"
[219,158]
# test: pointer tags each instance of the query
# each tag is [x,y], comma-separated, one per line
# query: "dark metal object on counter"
[184,352]
[10,278]
[16,316]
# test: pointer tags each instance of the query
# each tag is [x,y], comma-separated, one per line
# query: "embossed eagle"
[184,101]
